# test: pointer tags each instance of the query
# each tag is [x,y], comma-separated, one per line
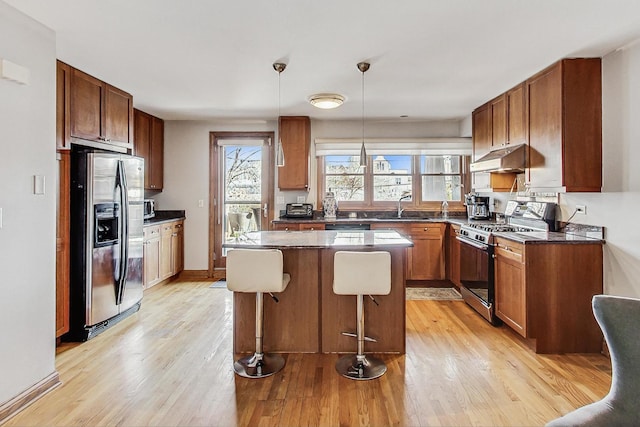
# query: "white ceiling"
[430,59]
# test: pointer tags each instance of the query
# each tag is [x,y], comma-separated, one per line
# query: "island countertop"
[320,239]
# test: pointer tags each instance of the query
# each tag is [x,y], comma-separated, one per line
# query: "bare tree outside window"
[243,188]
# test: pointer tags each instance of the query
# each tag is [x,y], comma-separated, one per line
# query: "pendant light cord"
[363,108]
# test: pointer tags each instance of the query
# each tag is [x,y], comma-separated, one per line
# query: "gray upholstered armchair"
[619,319]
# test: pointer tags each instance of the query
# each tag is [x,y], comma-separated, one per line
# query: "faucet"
[405,195]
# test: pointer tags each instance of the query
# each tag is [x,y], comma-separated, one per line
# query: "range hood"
[508,159]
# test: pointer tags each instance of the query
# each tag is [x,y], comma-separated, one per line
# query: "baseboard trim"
[194,274]
[12,407]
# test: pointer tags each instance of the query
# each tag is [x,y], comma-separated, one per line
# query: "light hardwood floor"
[171,364]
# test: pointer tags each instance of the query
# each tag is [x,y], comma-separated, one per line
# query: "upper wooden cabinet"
[482,135]
[509,118]
[565,126]
[516,103]
[295,136]
[149,144]
[63,83]
[100,112]
[498,112]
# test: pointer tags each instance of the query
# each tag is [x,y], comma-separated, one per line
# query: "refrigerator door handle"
[121,183]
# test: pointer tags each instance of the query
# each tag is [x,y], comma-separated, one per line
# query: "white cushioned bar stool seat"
[259,271]
[361,273]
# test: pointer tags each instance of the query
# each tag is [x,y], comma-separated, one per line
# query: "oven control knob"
[481,238]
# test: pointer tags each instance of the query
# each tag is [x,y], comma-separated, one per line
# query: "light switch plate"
[38,184]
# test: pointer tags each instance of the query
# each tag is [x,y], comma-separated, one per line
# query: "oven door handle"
[477,245]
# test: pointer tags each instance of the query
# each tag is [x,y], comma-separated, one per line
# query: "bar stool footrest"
[354,335]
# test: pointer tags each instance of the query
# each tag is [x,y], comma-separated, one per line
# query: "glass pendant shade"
[363,67]
[279,154]
[279,67]
[363,155]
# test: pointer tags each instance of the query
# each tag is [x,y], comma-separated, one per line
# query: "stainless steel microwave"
[149,208]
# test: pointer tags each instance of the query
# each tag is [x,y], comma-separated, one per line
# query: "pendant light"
[363,67]
[279,67]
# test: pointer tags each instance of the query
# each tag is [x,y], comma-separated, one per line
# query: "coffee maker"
[477,206]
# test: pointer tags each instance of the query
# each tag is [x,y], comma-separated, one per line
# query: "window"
[441,178]
[345,177]
[391,177]
[431,179]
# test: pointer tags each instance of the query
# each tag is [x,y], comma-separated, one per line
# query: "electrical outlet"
[581,209]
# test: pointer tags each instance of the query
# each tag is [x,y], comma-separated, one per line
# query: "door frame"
[215,238]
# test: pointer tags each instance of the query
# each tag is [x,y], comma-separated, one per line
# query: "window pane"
[342,164]
[243,177]
[389,187]
[346,187]
[397,165]
[440,164]
[441,187]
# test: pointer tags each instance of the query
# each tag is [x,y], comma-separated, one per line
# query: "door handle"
[265,211]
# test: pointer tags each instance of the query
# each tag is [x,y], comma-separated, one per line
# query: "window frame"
[415,203]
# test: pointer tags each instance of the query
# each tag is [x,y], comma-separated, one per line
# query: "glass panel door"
[241,189]
[242,192]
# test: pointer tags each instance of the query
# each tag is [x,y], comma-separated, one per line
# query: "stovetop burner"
[499,228]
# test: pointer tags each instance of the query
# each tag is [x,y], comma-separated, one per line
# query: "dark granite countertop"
[541,237]
[164,216]
[576,234]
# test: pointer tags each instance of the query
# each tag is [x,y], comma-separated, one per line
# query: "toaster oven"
[299,210]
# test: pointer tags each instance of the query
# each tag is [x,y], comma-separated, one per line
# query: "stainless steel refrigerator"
[107,193]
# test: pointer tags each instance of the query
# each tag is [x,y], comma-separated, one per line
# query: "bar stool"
[360,273]
[259,271]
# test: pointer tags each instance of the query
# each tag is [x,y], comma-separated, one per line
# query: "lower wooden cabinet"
[425,259]
[63,244]
[453,255]
[151,255]
[163,251]
[510,284]
[544,293]
[177,247]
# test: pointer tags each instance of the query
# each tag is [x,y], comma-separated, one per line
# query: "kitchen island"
[309,317]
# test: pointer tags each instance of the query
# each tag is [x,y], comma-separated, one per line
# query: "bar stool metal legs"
[259,365]
[359,366]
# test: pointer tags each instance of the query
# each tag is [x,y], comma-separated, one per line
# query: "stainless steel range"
[476,251]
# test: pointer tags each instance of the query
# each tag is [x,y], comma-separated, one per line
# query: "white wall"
[27,236]
[186,167]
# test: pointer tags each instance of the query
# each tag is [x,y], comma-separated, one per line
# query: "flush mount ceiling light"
[326,101]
